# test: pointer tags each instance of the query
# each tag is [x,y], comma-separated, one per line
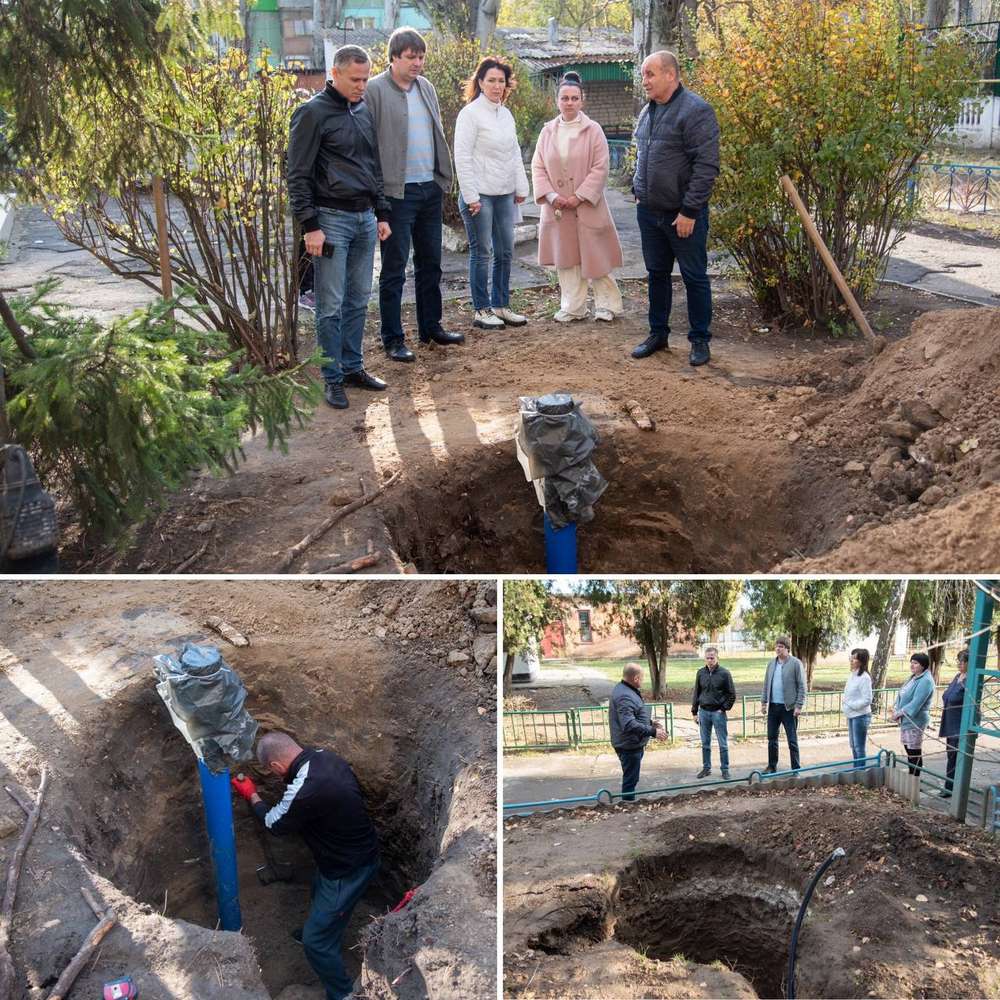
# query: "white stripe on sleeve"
[276,812]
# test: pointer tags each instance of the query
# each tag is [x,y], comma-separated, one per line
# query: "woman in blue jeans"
[857,703]
[492,181]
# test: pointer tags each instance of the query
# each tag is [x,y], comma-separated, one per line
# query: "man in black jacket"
[677,161]
[335,187]
[323,803]
[714,695]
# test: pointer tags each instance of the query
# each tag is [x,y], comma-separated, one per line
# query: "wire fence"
[570,728]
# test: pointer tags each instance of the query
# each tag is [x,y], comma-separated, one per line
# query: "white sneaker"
[486,319]
[510,317]
[604,315]
[567,317]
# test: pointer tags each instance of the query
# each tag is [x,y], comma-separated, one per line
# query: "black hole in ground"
[146,834]
[709,906]
[677,501]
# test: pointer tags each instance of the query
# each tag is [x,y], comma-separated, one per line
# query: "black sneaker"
[704,772]
[725,775]
[700,354]
[653,343]
[363,380]
[443,337]
[335,396]
[398,351]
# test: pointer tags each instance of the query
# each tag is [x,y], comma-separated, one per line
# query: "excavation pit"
[678,502]
[332,665]
[697,896]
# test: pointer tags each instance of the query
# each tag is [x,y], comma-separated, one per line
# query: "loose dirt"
[361,668]
[696,897]
[786,452]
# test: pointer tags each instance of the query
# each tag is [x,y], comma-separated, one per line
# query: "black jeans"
[631,761]
[777,716]
[952,742]
[416,220]
[661,246]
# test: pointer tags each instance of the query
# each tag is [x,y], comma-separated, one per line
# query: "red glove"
[244,786]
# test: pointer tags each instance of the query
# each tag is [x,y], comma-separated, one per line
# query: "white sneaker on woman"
[567,317]
[510,317]
[486,319]
[604,315]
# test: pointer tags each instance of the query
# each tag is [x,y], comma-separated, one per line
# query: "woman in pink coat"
[576,234]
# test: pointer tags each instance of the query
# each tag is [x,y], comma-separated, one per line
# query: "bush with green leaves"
[844,96]
[114,416]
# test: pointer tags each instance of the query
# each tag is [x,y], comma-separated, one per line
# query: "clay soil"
[361,668]
[787,452]
[696,897]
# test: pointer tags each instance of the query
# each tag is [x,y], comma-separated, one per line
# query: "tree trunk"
[935,12]
[486,21]
[886,638]
[16,330]
[390,14]
[655,674]
[508,674]
[806,648]
[319,23]
[5,437]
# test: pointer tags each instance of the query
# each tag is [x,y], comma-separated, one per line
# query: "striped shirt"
[419,140]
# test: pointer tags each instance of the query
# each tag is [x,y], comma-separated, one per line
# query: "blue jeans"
[333,901]
[343,286]
[857,732]
[416,219]
[707,721]
[777,716]
[631,760]
[491,234]
[661,246]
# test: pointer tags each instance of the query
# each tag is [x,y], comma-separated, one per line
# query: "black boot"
[335,396]
[653,343]
[443,337]
[700,354]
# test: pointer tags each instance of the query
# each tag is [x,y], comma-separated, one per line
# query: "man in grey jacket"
[631,727]
[677,161]
[416,169]
[782,698]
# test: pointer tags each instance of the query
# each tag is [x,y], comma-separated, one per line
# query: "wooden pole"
[160,204]
[827,257]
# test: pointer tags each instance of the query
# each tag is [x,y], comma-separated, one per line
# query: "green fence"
[824,711]
[571,727]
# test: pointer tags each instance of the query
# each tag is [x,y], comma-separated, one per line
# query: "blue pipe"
[560,547]
[215,790]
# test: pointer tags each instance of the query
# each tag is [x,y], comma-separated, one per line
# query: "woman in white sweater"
[491,180]
[858,704]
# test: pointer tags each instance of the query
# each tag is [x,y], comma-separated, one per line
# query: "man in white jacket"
[492,181]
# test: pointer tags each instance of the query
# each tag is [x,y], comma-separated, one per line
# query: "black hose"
[793,946]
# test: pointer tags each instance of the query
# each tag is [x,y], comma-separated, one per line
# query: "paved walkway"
[959,264]
[539,776]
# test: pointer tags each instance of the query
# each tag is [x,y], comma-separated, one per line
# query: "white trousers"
[573,288]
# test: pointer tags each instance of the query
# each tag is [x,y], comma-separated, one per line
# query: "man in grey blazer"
[782,698]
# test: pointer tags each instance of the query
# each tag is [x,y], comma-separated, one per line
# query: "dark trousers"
[333,901]
[777,716]
[916,760]
[952,742]
[416,221]
[661,246]
[631,761]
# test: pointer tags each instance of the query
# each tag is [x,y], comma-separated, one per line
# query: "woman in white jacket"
[858,704]
[491,180]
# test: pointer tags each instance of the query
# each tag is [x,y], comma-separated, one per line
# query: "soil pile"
[713,882]
[399,678]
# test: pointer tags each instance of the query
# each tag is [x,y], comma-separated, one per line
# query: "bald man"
[631,727]
[323,803]
[677,161]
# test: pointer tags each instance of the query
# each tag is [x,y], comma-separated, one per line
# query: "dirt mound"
[911,911]
[398,677]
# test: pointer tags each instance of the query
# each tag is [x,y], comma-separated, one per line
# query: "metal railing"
[567,729]
[824,711]
[956,187]
[881,759]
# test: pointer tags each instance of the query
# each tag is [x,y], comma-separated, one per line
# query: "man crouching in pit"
[324,804]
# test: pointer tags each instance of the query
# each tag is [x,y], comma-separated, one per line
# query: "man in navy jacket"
[631,727]
[677,161]
[324,804]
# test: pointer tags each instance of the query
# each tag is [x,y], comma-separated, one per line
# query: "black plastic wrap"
[205,698]
[559,439]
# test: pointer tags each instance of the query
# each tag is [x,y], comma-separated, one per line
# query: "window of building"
[585,633]
[359,22]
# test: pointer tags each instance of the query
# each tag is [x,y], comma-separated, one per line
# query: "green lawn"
[747,670]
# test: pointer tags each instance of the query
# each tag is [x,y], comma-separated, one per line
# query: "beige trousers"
[573,286]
